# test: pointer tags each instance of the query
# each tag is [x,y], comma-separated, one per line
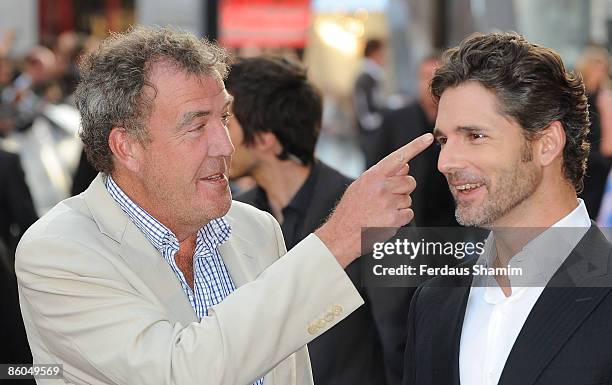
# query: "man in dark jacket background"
[16,215]
[275,126]
[433,202]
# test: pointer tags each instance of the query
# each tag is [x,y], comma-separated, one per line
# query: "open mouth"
[465,188]
[216,178]
[468,190]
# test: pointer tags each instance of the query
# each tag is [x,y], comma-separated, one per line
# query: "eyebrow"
[189,117]
[467,129]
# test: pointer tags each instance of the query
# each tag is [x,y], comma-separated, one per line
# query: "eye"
[199,127]
[225,118]
[476,136]
[441,140]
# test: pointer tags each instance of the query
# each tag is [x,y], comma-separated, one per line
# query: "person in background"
[368,96]
[433,202]
[275,124]
[35,86]
[16,215]
[69,49]
[7,111]
[17,211]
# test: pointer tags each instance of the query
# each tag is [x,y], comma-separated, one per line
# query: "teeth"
[468,186]
[216,177]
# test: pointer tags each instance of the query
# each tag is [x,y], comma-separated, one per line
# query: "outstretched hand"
[380,197]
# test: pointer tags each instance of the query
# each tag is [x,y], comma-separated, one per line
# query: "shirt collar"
[217,231]
[542,256]
[300,201]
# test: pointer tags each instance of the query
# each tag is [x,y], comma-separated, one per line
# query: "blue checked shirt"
[212,282]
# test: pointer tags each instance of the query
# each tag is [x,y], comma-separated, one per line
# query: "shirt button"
[312,329]
[337,309]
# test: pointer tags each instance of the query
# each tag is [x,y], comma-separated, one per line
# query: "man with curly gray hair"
[153,275]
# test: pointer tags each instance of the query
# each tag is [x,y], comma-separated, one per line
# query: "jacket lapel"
[457,304]
[155,272]
[444,342]
[138,253]
[243,264]
[575,290]
[328,187]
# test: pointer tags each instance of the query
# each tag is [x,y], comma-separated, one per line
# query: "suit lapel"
[328,188]
[563,306]
[454,309]
[241,266]
[155,272]
[138,253]
[458,304]
[445,341]
[236,253]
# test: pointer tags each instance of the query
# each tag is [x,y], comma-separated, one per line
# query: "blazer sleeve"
[96,322]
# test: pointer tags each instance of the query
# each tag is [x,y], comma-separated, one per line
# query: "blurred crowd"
[42,162]
[39,153]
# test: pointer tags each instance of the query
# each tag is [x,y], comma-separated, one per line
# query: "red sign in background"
[264,23]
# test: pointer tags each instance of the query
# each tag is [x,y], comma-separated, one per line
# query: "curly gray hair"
[111,91]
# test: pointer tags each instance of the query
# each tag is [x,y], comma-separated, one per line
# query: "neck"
[545,207]
[136,192]
[281,180]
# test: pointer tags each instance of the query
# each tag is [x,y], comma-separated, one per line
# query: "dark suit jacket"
[433,203]
[16,215]
[83,175]
[566,339]
[16,208]
[367,347]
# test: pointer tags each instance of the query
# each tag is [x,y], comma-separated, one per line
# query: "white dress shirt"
[493,321]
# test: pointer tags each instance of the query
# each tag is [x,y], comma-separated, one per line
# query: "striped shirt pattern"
[212,282]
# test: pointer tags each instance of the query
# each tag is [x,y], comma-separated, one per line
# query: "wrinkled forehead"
[175,76]
[163,64]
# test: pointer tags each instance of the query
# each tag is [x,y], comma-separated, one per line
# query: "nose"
[219,143]
[452,157]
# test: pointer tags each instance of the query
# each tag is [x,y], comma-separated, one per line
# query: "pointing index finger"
[393,162]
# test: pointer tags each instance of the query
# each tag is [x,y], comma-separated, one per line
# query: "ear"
[550,143]
[266,141]
[125,148]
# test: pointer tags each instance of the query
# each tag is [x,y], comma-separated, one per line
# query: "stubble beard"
[512,186]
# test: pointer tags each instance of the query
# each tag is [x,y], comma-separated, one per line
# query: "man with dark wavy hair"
[512,125]
[275,124]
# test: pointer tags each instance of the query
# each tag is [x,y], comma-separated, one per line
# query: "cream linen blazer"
[98,298]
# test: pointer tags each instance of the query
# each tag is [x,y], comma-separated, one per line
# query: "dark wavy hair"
[532,87]
[273,94]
